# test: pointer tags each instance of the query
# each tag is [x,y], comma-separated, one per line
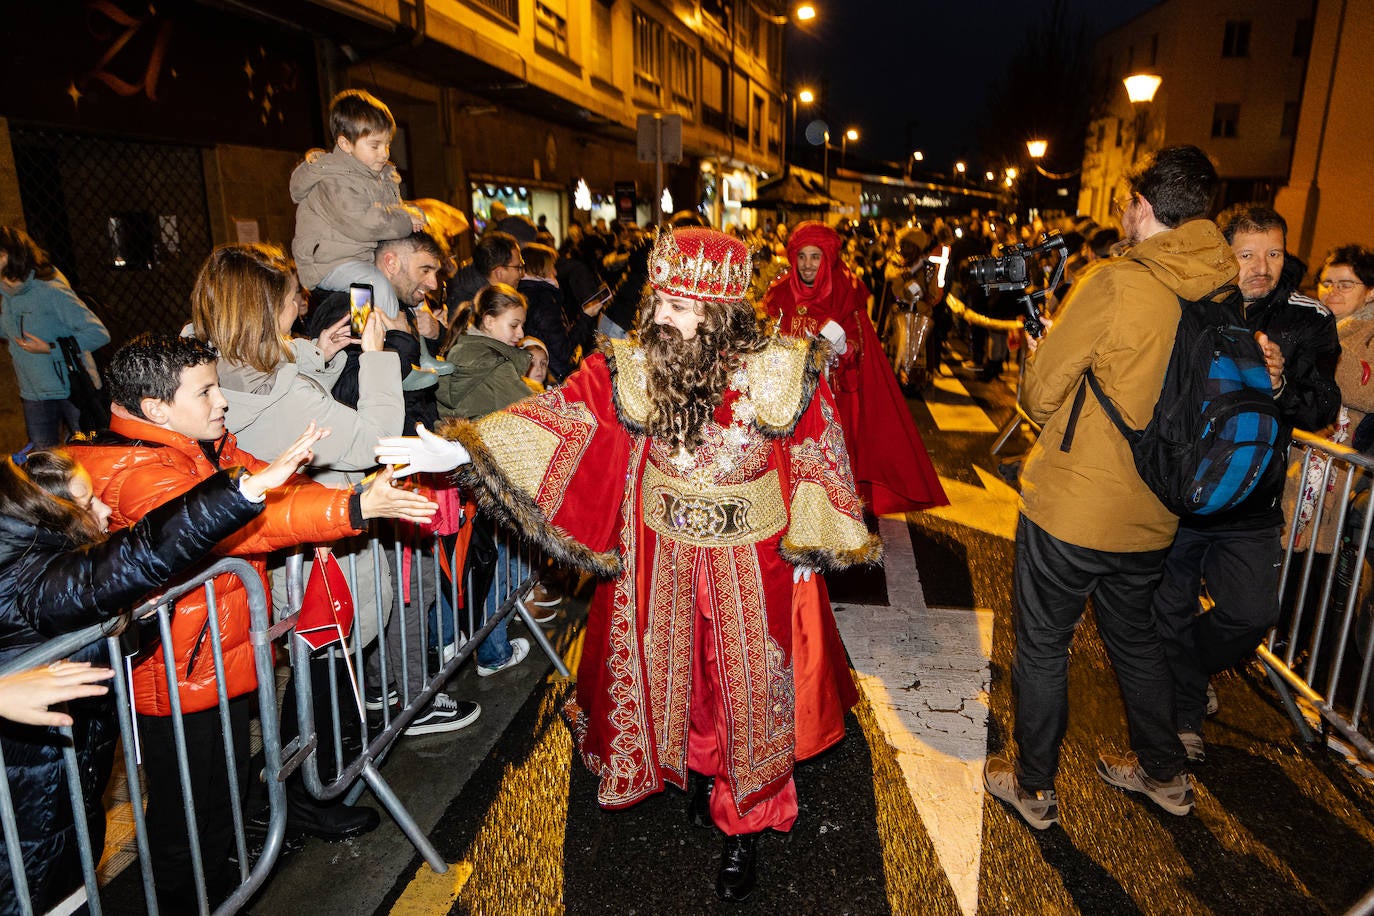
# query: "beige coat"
[343,209]
[1357,399]
[1119,320]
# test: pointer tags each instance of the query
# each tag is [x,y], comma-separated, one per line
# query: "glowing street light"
[1037,148]
[960,167]
[918,156]
[805,13]
[806,96]
[1012,172]
[990,176]
[1141,87]
[850,135]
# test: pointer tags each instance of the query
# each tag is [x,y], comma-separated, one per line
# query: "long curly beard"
[686,382]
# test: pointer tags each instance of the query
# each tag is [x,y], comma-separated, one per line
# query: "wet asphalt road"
[1279,827]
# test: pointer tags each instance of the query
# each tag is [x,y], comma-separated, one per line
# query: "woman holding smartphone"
[37,306]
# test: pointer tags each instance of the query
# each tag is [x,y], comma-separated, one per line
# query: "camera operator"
[1089,526]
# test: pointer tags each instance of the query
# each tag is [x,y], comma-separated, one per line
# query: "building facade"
[146,133]
[1231,83]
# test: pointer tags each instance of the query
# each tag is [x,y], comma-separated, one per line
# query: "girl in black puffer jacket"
[59,573]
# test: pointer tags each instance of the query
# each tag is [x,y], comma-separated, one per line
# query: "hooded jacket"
[48,587]
[487,377]
[343,209]
[138,466]
[1119,321]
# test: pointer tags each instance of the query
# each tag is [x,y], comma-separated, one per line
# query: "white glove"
[409,455]
[832,332]
[803,573]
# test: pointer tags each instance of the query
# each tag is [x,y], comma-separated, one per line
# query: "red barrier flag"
[327,607]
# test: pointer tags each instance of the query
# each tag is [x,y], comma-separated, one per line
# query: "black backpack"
[1216,428]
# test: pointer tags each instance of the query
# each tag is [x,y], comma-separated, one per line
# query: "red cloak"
[892,469]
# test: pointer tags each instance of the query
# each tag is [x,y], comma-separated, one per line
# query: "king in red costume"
[700,470]
[891,467]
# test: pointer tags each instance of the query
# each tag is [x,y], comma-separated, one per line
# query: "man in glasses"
[1089,525]
[496,259]
[1239,552]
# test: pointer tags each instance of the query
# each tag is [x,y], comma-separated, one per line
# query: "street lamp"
[961,167]
[990,176]
[849,135]
[806,97]
[805,13]
[1140,89]
[1037,150]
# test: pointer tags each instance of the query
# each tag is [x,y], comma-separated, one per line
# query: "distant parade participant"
[700,469]
[819,296]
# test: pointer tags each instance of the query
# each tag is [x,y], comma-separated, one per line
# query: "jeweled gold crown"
[700,263]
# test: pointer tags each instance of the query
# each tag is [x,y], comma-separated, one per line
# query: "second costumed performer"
[699,470]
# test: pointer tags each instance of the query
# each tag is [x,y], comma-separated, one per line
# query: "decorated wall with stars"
[170,70]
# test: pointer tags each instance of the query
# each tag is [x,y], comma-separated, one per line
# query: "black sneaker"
[445,715]
[377,704]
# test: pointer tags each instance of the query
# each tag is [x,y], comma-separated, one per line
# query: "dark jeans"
[1241,569]
[167,840]
[1052,579]
[44,421]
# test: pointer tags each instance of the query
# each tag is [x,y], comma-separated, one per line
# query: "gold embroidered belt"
[713,516]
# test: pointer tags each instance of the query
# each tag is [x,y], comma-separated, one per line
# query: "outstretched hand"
[383,499]
[26,695]
[335,337]
[411,455]
[291,459]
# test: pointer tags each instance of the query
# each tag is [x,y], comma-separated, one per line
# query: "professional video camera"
[1012,271]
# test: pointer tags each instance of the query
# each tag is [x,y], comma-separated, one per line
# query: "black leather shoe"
[699,802]
[738,867]
[331,821]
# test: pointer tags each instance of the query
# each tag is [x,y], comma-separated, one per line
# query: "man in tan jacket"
[1089,526]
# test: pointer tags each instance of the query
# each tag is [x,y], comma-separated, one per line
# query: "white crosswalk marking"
[925,672]
[961,416]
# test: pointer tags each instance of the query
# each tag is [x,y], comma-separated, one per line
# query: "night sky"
[889,63]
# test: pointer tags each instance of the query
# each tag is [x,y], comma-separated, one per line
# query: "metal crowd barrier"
[261,635]
[409,620]
[1325,641]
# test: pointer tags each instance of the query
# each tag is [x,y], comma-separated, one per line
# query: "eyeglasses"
[1344,286]
[1119,204]
[516,267]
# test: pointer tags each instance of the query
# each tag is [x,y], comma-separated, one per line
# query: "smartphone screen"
[359,305]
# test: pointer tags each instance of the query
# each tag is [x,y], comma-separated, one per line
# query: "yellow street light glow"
[806,12]
[960,167]
[1012,172]
[1037,148]
[806,96]
[851,135]
[1141,87]
[919,156]
[1008,181]
[990,176]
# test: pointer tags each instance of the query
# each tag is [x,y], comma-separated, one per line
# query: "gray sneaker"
[1174,796]
[1193,746]
[1039,809]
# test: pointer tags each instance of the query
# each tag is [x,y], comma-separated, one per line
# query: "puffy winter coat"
[487,376]
[49,587]
[343,209]
[137,466]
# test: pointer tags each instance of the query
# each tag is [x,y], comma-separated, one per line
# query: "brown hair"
[25,257]
[687,378]
[40,493]
[539,260]
[494,301]
[236,301]
[353,114]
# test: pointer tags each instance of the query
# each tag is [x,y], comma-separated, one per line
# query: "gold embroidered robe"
[718,530]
